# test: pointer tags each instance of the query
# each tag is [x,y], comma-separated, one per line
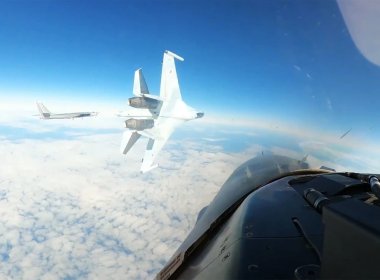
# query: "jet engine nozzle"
[143,102]
[139,124]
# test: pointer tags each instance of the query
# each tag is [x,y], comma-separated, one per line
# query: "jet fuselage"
[155,117]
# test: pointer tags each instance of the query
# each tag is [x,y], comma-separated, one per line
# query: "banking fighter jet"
[155,117]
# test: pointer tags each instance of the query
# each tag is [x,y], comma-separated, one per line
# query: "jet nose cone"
[200,115]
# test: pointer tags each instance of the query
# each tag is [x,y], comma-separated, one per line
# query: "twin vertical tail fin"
[169,88]
[44,112]
[139,84]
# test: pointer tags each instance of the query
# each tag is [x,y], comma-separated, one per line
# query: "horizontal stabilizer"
[128,140]
[139,84]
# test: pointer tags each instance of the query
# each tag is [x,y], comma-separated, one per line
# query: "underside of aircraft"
[155,117]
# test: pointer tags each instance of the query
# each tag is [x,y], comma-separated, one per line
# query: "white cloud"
[76,208]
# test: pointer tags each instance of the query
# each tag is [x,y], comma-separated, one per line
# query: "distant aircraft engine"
[139,124]
[143,102]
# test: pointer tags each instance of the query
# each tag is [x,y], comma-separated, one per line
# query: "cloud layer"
[77,209]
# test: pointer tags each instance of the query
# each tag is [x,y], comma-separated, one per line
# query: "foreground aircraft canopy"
[47,115]
[277,218]
[155,117]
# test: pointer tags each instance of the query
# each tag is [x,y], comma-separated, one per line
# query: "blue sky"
[291,60]
[92,214]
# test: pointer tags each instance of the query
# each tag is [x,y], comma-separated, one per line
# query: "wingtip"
[174,55]
[147,169]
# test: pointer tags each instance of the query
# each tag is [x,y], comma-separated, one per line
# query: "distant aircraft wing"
[158,136]
[169,89]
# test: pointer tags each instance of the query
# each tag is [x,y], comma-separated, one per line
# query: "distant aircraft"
[155,117]
[47,115]
[344,134]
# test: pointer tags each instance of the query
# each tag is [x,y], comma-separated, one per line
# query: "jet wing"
[158,136]
[169,89]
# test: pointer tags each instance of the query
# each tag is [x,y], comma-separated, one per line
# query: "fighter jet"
[155,117]
[47,115]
